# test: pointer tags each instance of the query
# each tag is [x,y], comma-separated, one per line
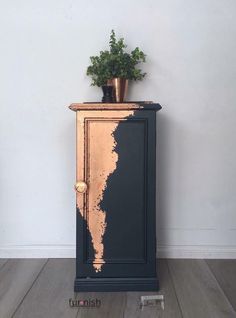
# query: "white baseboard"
[196,251]
[68,251]
[37,251]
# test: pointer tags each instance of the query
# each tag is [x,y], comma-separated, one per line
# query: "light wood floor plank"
[2,261]
[172,309]
[192,289]
[16,278]
[49,296]
[112,305]
[198,291]
[225,273]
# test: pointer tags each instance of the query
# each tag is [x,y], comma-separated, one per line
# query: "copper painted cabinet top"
[143,105]
[115,196]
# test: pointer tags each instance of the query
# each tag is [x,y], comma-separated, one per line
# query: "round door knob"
[81,186]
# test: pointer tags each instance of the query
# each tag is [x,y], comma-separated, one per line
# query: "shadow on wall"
[169,179]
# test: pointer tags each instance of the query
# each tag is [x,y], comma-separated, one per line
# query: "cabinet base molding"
[116,284]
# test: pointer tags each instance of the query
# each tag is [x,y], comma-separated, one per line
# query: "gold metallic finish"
[96,160]
[102,162]
[81,186]
[120,88]
[110,106]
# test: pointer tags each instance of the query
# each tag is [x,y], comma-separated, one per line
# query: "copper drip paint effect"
[103,160]
[100,162]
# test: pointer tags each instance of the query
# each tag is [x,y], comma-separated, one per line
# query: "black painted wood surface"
[129,200]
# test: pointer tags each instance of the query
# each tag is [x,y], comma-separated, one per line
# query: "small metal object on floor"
[152,300]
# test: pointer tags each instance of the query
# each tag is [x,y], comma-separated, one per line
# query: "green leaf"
[116,63]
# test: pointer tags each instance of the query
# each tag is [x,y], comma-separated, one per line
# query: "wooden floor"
[33,288]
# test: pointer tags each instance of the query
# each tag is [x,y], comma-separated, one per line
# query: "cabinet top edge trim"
[116,106]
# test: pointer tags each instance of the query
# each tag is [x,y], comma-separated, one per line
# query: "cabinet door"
[116,215]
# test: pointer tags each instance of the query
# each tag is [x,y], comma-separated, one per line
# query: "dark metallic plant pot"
[107,94]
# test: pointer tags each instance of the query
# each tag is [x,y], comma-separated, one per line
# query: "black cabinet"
[115,189]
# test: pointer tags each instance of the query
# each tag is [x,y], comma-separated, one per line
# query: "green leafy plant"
[116,63]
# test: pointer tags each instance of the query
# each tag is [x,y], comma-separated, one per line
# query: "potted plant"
[115,67]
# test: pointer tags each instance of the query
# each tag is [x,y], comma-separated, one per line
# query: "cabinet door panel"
[116,216]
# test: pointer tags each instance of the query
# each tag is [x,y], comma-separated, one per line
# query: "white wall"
[45,49]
